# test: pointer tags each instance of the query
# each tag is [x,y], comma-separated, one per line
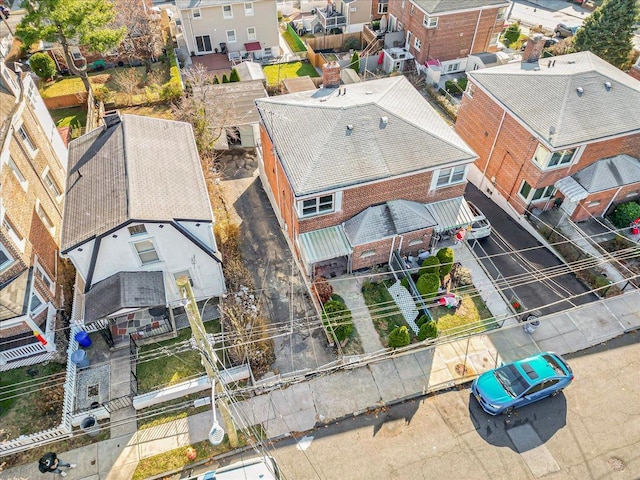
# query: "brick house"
[33,162]
[349,170]
[443,33]
[137,218]
[565,129]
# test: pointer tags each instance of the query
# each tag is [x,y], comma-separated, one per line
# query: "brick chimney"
[533,50]
[331,75]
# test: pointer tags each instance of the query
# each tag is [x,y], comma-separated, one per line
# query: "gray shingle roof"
[441,6]
[124,290]
[547,99]
[382,221]
[234,103]
[141,168]
[250,71]
[609,173]
[318,151]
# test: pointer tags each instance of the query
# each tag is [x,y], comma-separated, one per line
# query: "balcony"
[330,20]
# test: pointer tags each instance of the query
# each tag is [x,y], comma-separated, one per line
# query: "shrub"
[351,44]
[234,76]
[625,214]
[399,337]
[430,265]
[216,80]
[355,62]
[172,90]
[422,320]
[405,283]
[461,276]
[43,65]
[428,330]
[225,79]
[428,285]
[512,34]
[102,94]
[337,319]
[456,87]
[446,260]
[323,289]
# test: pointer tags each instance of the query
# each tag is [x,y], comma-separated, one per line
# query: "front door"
[568,206]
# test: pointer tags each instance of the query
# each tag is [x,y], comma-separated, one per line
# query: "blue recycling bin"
[83,339]
[79,357]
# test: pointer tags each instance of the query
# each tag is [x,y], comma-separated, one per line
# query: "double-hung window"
[251,33]
[529,194]
[227,11]
[231,36]
[18,174]
[317,206]
[248,9]
[451,176]
[547,159]
[430,22]
[146,252]
[27,140]
[383,6]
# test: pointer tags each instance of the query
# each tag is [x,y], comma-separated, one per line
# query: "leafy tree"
[143,40]
[399,337]
[355,62]
[428,330]
[337,319]
[512,33]
[61,21]
[234,76]
[43,65]
[430,265]
[608,31]
[128,80]
[446,260]
[625,214]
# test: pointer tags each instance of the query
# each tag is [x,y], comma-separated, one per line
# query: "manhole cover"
[93,390]
[616,464]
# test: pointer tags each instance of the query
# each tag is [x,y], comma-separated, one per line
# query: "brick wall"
[586,209]
[377,253]
[453,37]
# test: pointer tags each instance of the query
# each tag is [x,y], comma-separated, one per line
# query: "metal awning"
[450,214]
[253,47]
[572,190]
[324,244]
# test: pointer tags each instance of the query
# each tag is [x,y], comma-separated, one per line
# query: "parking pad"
[533,452]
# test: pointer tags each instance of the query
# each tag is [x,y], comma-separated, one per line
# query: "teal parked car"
[522,382]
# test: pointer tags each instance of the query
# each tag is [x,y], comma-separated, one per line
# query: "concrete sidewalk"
[327,397]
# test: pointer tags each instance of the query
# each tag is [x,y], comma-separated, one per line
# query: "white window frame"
[631,194]
[46,219]
[13,233]
[402,4]
[235,37]
[196,14]
[27,140]
[251,36]
[383,7]
[450,173]
[203,43]
[417,43]
[453,67]
[545,192]
[494,39]
[46,279]
[17,173]
[248,12]
[543,156]
[135,230]
[430,22]
[39,308]
[471,89]
[320,207]
[6,253]
[416,241]
[367,253]
[153,249]
[502,12]
[51,184]
[594,203]
[76,53]
[229,9]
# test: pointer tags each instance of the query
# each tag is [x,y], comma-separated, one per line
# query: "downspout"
[393,242]
[611,201]
[493,146]
[473,40]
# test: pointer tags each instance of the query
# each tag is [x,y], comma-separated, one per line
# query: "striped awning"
[450,214]
[324,244]
[572,190]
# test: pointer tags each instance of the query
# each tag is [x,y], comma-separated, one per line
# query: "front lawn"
[383,309]
[280,71]
[468,318]
[161,364]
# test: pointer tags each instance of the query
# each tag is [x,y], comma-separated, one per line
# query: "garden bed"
[384,312]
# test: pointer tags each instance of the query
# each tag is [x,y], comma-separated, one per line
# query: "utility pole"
[209,359]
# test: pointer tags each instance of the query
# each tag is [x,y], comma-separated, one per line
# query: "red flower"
[516,305]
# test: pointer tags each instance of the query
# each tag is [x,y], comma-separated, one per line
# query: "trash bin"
[79,357]
[89,425]
[531,326]
[83,339]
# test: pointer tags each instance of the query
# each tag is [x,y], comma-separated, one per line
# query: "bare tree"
[143,40]
[128,81]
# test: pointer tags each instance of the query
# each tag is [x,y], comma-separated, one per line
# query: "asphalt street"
[590,431]
[522,266]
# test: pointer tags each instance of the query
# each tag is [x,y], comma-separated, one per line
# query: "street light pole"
[210,360]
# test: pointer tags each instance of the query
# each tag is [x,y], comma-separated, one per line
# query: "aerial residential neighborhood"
[296,239]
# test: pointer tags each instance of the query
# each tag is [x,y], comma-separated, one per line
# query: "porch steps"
[405,303]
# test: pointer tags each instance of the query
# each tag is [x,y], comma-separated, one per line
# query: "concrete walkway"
[323,398]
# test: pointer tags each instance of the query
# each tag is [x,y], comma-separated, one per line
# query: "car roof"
[536,368]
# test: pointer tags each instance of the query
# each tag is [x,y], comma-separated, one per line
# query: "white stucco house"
[137,217]
[246,29]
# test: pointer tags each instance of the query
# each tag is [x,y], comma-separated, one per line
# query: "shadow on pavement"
[544,418]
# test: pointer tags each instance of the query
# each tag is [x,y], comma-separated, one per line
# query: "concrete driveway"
[522,266]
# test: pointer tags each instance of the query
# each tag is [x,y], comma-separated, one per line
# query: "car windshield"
[511,380]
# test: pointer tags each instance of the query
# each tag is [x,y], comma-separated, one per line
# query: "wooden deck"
[215,63]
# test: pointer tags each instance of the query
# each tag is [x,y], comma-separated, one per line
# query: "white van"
[259,468]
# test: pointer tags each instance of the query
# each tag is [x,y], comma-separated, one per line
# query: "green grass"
[468,318]
[280,71]
[171,368]
[177,459]
[74,117]
[296,45]
[384,312]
